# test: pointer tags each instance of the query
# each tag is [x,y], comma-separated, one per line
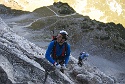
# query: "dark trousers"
[60,60]
[80,62]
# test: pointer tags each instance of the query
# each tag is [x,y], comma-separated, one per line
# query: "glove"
[85,58]
[58,66]
[64,67]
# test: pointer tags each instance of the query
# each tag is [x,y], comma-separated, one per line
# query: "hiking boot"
[80,63]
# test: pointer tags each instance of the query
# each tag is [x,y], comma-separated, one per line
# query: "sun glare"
[95,14]
[115,7]
[79,6]
[38,3]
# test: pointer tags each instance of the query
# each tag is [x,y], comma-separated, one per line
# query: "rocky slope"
[97,38]
[19,65]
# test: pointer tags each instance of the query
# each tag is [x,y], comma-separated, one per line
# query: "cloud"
[95,13]
[114,6]
[79,6]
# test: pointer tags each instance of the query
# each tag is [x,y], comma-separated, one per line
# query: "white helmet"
[64,34]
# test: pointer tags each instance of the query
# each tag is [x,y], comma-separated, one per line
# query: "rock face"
[14,59]
[22,62]
[3,77]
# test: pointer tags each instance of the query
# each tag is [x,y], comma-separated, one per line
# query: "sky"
[100,10]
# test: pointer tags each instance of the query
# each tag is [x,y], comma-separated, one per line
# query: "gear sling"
[59,59]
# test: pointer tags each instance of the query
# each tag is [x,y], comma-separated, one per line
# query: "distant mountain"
[100,10]
[7,11]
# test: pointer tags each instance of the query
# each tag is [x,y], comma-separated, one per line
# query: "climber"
[83,56]
[58,51]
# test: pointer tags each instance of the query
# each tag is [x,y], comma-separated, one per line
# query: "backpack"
[54,50]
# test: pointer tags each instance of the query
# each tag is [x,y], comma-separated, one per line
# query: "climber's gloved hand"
[64,66]
[85,59]
[58,66]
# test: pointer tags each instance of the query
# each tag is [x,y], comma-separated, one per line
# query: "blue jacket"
[59,50]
